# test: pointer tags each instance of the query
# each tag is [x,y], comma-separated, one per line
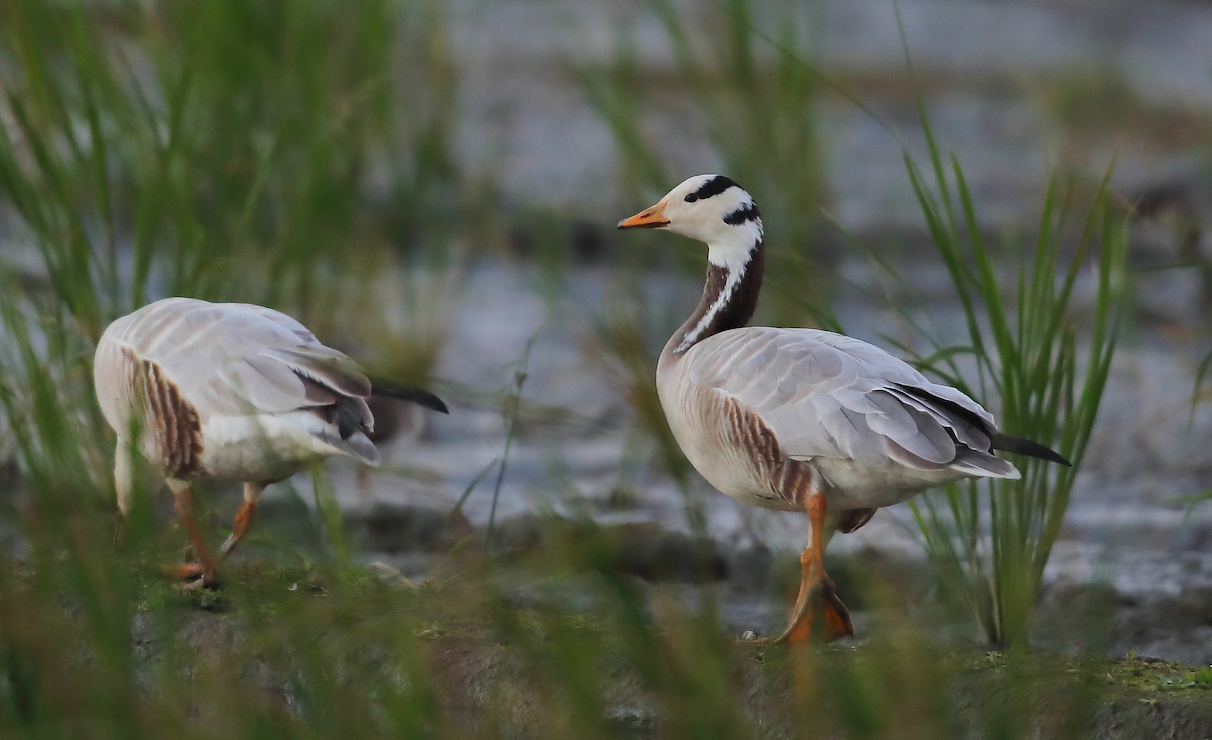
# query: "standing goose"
[803,419]
[229,391]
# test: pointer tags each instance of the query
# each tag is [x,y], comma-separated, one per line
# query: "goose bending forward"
[229,391]
[803,419]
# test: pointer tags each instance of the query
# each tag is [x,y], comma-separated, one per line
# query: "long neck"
[730,295]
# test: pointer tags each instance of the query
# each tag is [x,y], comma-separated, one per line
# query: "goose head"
[710,208]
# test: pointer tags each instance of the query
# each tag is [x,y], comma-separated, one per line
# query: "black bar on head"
[715,186]
[743,214]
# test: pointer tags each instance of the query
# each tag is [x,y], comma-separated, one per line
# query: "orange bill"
[649,218]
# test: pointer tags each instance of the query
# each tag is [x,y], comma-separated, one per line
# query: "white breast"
[699,422]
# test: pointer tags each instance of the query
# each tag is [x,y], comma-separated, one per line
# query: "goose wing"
[231,359]
[832,396]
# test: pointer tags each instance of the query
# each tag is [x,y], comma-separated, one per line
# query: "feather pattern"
[876,428]
[242,371]
[829,395]
[236,358]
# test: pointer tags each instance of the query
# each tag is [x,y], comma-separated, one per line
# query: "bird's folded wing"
[832,396]
[232,359]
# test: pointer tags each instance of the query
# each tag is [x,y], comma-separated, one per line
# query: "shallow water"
[985,67]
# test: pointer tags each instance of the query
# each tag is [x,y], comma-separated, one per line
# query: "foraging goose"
[803,419]
[229,391]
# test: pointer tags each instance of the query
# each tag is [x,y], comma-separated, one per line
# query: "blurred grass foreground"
[300,154]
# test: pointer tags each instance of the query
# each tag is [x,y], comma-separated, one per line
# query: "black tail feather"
[381,387]
[1026,447]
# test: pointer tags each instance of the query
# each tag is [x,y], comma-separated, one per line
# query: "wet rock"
[1078,617]
[1176,628]
[396,529]
[656,554]
[1132,717]
[1095,617]
[519,533]
[644,550]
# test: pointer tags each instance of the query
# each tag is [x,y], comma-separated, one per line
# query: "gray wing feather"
[828,395]
[323,365]
[235,358]
[965,431]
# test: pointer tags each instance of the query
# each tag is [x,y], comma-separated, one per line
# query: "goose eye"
[692,197]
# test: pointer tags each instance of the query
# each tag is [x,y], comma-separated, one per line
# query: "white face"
[709,208]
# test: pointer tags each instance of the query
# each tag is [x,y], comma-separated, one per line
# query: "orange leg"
[203,570]
[814,580]
[244,516]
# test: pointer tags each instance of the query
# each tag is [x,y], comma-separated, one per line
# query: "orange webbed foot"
[193,575]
